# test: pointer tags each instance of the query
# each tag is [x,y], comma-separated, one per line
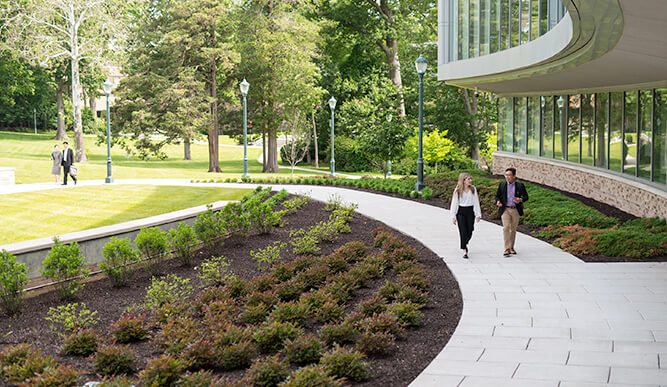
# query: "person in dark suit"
[510,196]
[68,160]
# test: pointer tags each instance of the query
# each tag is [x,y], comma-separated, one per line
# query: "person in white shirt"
[465,209]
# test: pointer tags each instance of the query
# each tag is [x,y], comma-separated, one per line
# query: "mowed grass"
[30,154]
[59,211]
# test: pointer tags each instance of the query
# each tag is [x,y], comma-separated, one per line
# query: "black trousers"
[465,219]
[66,172]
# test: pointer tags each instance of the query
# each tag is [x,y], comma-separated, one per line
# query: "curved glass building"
[582,87]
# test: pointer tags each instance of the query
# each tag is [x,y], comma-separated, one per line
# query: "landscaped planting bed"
[329,297]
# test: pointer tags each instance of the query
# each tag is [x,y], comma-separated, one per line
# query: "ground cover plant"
[298,320]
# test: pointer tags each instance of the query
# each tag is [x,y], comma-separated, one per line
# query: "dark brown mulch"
[412,354]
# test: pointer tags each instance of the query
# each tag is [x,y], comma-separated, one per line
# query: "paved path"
[540,318]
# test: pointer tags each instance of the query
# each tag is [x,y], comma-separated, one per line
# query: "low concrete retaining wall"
[7,175]
[632,196]
[33,252]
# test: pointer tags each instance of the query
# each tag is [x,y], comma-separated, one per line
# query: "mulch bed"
[412,354]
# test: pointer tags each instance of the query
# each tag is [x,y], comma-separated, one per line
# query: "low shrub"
[215,271]
[268,298]
[237,355]
[345,363]
[254,314]
[312,375]
[338,333]
[414,278]
[201,378]
[210,228]
[282,272]
[119,260]
[313,277]
[303,243]
[375,343]
[60,376]
[130,328]
[268,255]
[235,221]
[389,290]
[64,264]
[176,334]
[12,280]
[293,311]
[413,295]
[167,290]
[292,205]
[382,322]
[352,252]
[271,337]
[407,313]
[329,311]
[236,287]
[289,290]
[372,305]
[262,218]
[81,342]
[20,362]
[162,372]
[71,317]
[267,372]
[182,241]
[114,360]
[152,243]
[303,350]
[336,263]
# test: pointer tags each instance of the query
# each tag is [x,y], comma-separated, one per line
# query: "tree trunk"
[271,165]
[391,53]
[76,105]
[317,160]
[472,107]
[61,133]
[186,150]
[213,163]
[263,149]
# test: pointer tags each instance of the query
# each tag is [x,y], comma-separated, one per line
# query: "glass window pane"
[534,19]
[630,127]
[494,10]
[616,123]
[525,21]
[560,142]
[505,25]
[520,124]
[505,125]
[645,133]
[547,126]
[534,126]
[660,145]
[573,128]
[454,41]
[473,31]
[463,29]
[544,16]
[587,128]
[484,26]
[514,22]
[601,129]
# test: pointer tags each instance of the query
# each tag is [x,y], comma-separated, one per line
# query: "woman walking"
[465,209]
[57,158]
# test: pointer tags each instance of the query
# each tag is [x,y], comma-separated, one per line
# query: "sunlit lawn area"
[58,211]
[30,155]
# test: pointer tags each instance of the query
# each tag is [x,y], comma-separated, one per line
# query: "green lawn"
[58,211]
[30,154]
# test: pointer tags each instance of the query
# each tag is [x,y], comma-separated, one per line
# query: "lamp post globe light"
[421,65]
[332,105]
[107,86]
[244,85]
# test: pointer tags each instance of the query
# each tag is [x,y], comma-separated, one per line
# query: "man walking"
[510,196]
[68,160]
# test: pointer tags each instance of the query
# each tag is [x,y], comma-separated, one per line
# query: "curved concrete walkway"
[540,318]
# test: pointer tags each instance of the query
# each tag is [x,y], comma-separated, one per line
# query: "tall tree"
[384,23]
[45,30]
[277,44]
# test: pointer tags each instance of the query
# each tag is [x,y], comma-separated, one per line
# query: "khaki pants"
[510,220]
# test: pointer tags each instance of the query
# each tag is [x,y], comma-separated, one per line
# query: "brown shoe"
[507,253]
[512,251]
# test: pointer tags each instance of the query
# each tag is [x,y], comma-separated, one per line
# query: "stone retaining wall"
[629,195]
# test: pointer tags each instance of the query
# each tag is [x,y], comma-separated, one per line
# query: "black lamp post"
[332,105]
[391,140]
[421,65]
[244,90]
[106,86]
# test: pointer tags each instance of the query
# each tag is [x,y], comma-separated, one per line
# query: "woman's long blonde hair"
[459,185]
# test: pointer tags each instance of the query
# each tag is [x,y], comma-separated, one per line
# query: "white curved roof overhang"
[603,45]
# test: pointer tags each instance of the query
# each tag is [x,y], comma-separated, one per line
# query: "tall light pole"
[106,86]
[563,136]
[332,105]
[244,85]
[34,118]
[421,65]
